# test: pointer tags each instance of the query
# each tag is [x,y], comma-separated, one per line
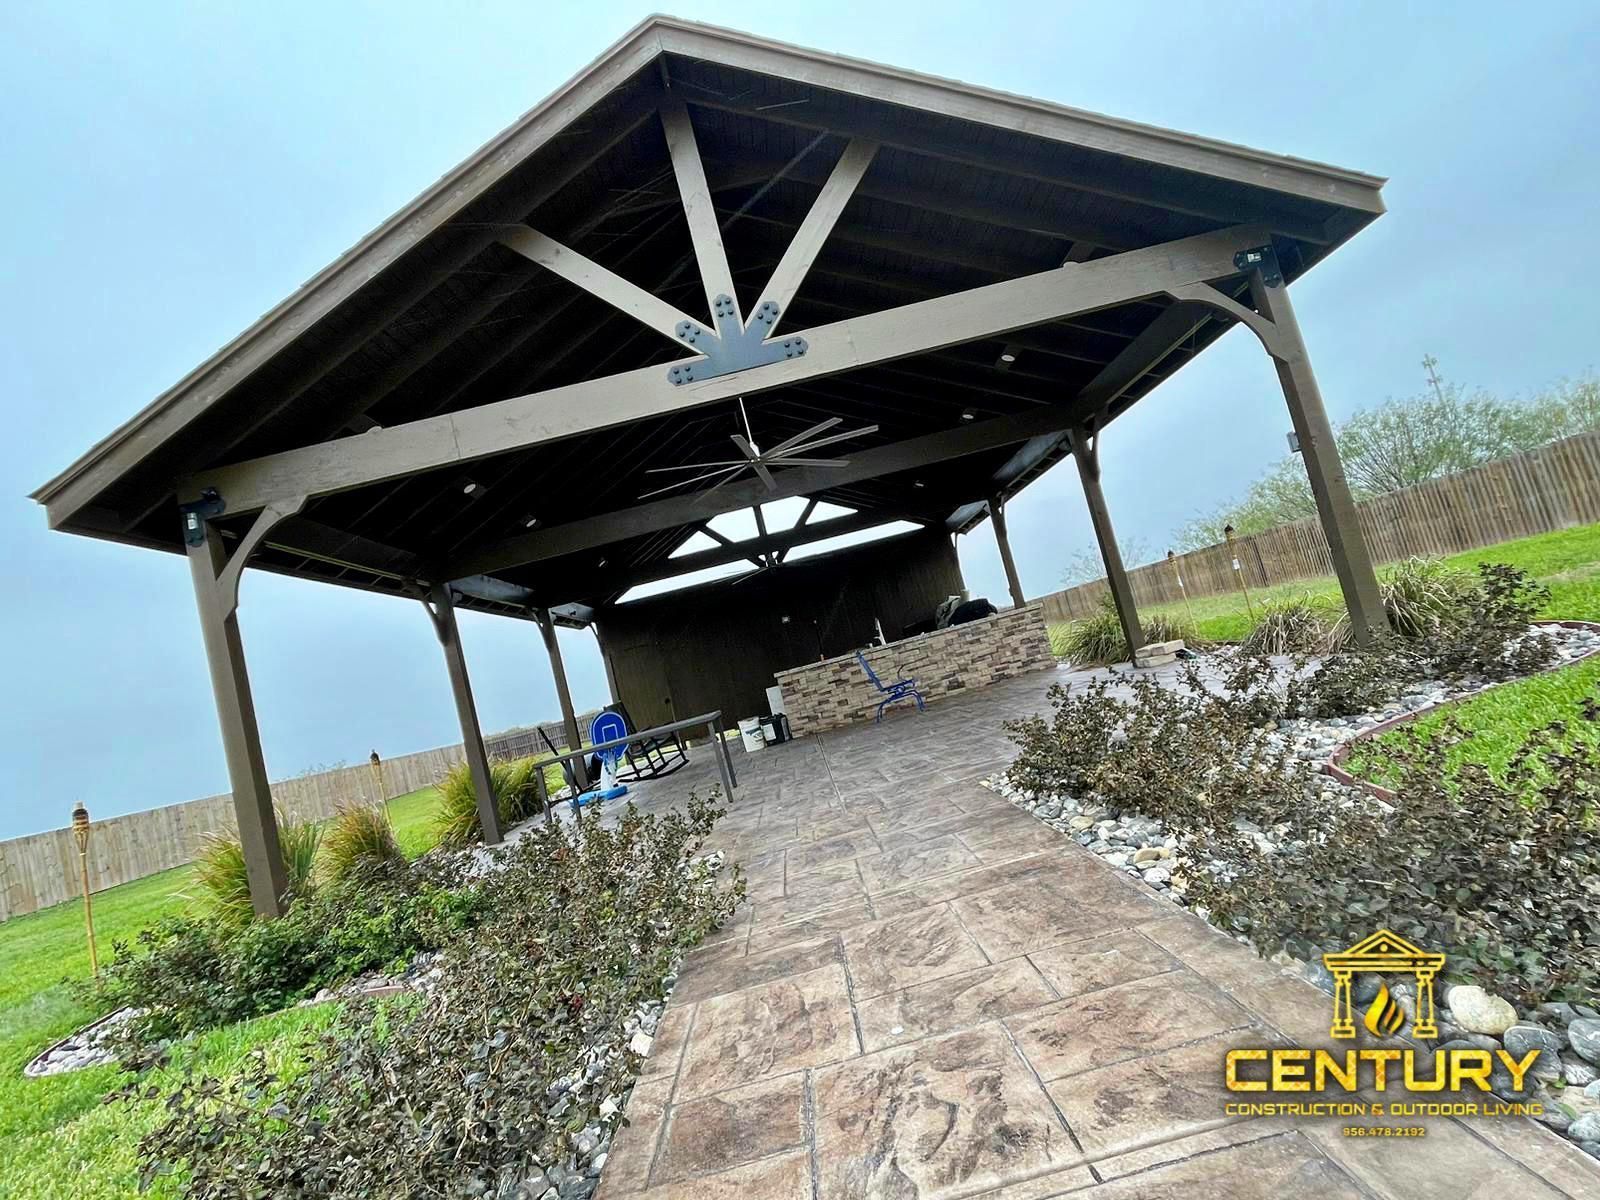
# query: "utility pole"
[1429,362]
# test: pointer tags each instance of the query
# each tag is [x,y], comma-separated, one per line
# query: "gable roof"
[973,176]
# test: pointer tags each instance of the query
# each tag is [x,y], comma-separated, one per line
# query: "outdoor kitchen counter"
[836,691]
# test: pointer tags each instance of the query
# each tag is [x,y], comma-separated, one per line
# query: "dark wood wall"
[717,646]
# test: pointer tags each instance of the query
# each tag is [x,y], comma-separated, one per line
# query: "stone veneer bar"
[836,692]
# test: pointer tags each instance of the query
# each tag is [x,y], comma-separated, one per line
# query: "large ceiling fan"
[790,453]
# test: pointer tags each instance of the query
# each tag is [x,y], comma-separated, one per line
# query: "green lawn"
[1498,720]
[1567,562]
[59,1139]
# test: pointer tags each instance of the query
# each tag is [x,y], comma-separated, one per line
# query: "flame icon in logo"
[1384,1015]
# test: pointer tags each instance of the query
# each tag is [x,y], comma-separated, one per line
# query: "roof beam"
[603,528]
[311,539]
[598,281]
[880,337]
[807,242]
[771,544]
[704,230]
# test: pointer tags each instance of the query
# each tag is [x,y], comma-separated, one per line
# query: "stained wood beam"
[872,463]
[808,240]
[560,412]
[752,556]
[770,544]
[704,230]
[598,281]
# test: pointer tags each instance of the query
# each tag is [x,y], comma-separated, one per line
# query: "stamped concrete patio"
[930,994]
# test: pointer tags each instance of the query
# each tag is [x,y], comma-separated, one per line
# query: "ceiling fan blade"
[756,461]
[800,437]
[834,437]
[727,473]
[786,461]
[725,462]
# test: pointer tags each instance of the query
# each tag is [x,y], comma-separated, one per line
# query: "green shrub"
[1423,596]
[1187,753]
[516,798]
[476,1087]
[1461,862]
[1458,628]
[1492,640]
[1497,872]
[1296,626]
[222,883]
[357,835]
[1099,639]
[192,972]
[1358,680]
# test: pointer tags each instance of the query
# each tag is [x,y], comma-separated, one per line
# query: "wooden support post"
[1352,562]
[443,613]
[236,715]
[1086,453]
[997,514]
[569,717]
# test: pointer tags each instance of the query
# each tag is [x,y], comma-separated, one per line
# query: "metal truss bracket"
[1263,259]
[732,348]
[197,513]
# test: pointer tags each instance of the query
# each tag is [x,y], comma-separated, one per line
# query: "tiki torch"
[1238,571]
[80,833]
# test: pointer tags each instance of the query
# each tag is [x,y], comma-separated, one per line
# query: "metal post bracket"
[197,512]
[1263,259]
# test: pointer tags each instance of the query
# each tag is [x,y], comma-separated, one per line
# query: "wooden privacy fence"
[42,869]
[1539,491]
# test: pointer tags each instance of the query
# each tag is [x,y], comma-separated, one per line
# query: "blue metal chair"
[900,689]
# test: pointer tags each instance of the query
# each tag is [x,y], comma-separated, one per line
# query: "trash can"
[775,729]
[750,734]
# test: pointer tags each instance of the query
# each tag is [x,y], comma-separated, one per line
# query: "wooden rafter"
[807,242]
[698,208]
[598,281]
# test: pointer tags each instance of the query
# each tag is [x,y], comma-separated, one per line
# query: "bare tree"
[1085,566]
[1404,442]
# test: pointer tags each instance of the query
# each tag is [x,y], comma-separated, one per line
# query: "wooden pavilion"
[473,405]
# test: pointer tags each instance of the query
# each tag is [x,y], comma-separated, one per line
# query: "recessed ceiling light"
[529,521]
[602,562]
[918,483]
[968,415]
[1008,357]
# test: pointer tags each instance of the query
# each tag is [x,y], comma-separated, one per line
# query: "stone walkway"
[931,994]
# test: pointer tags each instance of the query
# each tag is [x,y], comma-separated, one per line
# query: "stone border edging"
[1334,764]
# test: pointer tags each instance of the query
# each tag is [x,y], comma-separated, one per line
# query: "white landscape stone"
[1478,1011]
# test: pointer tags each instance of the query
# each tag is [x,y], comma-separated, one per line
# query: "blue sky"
[172,170]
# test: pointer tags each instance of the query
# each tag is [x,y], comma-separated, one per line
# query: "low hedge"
[479,1085]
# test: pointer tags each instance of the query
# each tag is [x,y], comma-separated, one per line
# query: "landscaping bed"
[1212,791]
[472,1025]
